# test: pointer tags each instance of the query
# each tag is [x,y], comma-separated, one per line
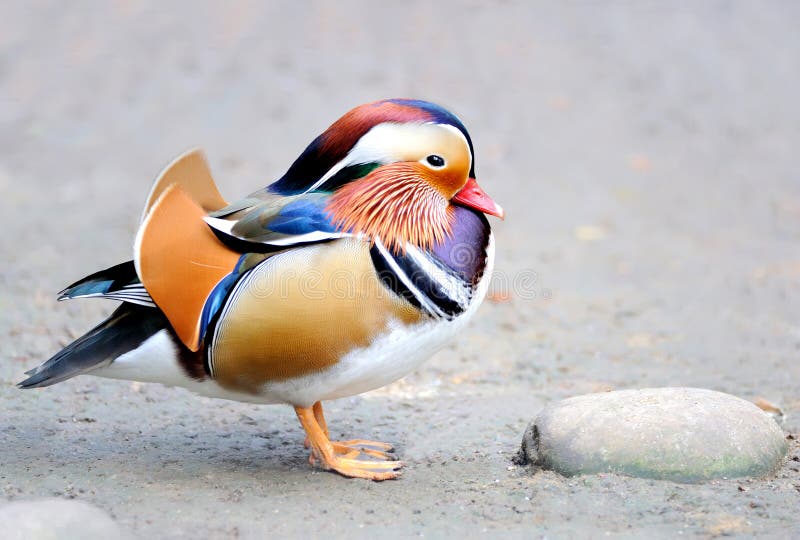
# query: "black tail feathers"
[127,328]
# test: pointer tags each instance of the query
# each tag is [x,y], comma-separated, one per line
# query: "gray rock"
[680,434]
[56,519]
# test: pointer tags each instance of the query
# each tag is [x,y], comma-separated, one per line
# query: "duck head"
[394,169]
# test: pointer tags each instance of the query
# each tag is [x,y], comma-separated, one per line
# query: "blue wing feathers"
[216,300]
[277,224]
[302,217]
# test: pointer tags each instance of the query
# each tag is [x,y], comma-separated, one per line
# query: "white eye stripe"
[369,149]
[380,145]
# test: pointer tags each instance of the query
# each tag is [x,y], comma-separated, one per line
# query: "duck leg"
[373,448]
[343,457]
[320,417]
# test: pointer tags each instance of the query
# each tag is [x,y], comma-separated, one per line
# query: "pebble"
[56,519]
[679,434]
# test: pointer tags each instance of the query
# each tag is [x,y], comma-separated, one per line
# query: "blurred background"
[645,153]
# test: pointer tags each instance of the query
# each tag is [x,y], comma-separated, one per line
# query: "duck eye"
[435,161]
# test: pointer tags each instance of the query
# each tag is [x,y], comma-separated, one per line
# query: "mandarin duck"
[361,261]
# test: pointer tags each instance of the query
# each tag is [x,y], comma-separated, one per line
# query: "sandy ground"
[646,155]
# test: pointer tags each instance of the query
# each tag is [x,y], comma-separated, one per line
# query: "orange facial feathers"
[398,203]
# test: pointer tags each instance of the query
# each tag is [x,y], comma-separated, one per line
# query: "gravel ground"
[646,157]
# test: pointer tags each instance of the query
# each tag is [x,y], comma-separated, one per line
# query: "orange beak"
[472,196]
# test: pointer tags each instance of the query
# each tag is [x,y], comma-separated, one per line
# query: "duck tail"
[123,331]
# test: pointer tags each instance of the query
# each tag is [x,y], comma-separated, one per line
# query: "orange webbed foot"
[375,449]
[356,458]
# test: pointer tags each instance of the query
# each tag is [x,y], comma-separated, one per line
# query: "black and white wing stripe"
[423,280]
[133,294]
[119,282]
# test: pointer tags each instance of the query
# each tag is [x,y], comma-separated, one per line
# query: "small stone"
[679,434]
[47,519]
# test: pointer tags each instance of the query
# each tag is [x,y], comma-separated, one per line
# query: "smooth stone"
[679,434]
[56,519]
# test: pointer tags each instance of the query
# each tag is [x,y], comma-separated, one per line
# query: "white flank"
[156,360]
